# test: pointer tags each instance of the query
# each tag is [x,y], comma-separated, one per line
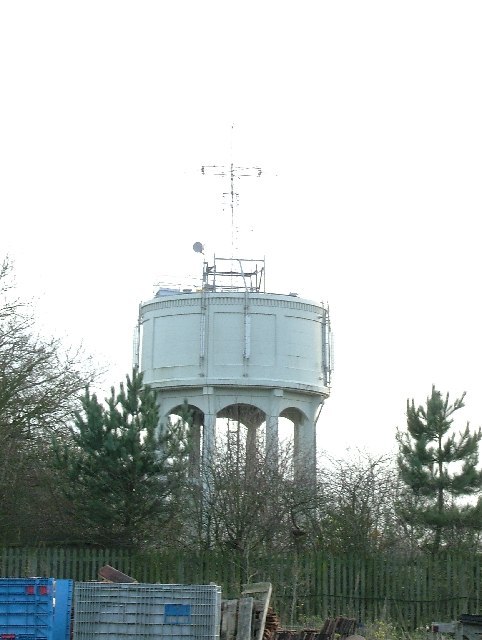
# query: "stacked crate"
[35,608]
[136,611]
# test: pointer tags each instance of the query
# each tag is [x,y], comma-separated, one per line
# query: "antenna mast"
[242,274]
[233,172]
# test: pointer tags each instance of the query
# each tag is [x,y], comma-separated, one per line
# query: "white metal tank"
[233,350]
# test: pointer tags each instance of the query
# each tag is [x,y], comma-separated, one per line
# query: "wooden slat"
[229,613]
[245,618]
[110,574]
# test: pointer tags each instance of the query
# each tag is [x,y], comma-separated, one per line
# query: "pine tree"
[123,479]
[438,468]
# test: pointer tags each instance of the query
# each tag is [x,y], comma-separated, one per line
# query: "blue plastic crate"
[35,608]
[26,608]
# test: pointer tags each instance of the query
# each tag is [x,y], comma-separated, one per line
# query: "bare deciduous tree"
[39,386]
[357,506]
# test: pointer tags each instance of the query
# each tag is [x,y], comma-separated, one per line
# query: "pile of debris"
[251,618]
[341,627]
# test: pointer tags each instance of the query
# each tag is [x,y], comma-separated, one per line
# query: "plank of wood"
[245,616]
[229,616]
[109,574]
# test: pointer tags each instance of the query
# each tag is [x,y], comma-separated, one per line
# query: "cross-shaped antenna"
[233,172]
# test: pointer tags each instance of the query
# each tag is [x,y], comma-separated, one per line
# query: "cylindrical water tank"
[242,339]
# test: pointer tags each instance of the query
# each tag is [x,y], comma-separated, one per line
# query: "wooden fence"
[410,592]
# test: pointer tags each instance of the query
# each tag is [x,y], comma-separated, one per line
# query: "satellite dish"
[198,247]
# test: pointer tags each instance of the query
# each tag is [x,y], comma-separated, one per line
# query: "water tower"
[235,351]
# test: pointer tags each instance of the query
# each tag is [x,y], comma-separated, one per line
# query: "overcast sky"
[366,119]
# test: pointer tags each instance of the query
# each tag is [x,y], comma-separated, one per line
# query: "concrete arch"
[195,432]
[293,414]
[251,417]
[248,414]
[177,409]
[304,439]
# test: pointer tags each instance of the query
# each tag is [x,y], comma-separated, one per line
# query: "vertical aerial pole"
[232,172]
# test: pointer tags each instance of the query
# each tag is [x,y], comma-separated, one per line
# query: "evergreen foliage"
[124,480]
[439,467]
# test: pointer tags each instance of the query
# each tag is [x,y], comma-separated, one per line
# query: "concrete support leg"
[272,441]
[209,437]
[251,444]
[304,448]
[195,453]
[272,428]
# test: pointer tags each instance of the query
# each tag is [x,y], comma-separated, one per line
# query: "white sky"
[364,115]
